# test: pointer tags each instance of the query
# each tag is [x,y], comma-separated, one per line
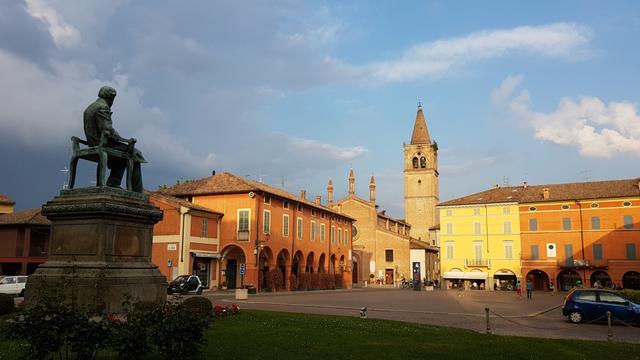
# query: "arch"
[355,262]
[423,162]
[309,267]
[332,264]
[298,258]
[415,162]
[265,262]
[504,279]
[600,279]
[231,258]
[342,264]
[282,262]
[321,261]
[455,270]
[539,278]
[631,280]
[568,279]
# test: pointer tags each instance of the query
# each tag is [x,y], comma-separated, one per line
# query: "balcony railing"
[477,263]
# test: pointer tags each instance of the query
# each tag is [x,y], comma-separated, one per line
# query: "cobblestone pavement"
[510,314]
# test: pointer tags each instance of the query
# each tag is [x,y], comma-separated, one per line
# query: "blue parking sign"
[242,269]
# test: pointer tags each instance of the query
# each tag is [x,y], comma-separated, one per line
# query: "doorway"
[354,272]
[202,269]
[388,277]
[230,272]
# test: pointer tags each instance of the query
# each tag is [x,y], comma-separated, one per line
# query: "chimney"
[318,200]
[545,193]
[496,186]
[213,173]
[525,185]
[303,194]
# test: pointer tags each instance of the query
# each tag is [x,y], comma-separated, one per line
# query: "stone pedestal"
[99,250]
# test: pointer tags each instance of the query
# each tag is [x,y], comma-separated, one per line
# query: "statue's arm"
[105,124]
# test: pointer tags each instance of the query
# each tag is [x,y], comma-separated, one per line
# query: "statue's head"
[108,93]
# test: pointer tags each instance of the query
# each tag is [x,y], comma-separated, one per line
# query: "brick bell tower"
[421,193]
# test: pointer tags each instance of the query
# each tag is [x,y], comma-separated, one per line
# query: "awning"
[504,272]
[472,275]
[207,255]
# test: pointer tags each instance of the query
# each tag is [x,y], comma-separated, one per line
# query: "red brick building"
[265,228]
[24,242]
[186,240]
[581,231]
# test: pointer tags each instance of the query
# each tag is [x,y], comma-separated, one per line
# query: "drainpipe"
[184,218]
[584,271]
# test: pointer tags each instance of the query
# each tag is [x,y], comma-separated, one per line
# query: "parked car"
[13,285]
[185,284]
[591,304]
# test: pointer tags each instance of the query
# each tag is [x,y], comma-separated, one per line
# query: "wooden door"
[388,277]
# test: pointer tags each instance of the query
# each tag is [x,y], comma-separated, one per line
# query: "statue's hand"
[132,140]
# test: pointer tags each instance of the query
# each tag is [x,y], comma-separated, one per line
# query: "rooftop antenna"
[419,103]
[260,176]
[65,184]
[282,182]
[505,181]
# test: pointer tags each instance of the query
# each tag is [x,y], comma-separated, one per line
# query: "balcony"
[477,263]
[243,235]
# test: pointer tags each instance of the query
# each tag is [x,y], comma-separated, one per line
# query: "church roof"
[420,133]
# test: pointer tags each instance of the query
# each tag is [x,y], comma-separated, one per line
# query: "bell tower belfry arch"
[421,194]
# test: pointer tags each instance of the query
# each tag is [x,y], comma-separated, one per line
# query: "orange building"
[187,240]
[24,242]
[265,229]
[587,232]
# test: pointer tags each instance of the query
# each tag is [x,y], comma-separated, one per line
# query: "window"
[508,249]
[595,222]
[533,208]
[285,204]
[476,228]
[612,298]
[566,223]
[533,224]
[449,245]
[476,211]
[631,251]
[415,162]
[339,236]
[565,207]
[299,228]
[568,255]
[477,250]
[333,235]
[388,255]
[285,225]
[626,203]
[506,210]
[205,226]
[628,222]
[266,222]
[243,224]
[313,212]
[267,199]
[449,212]
[322,215]
[300,207]
[594,205]
[450,229]
[321,232]
[346,237]
[535,252]
[586,295]
[597,251]
[423,162]
[313,231]
[507,227]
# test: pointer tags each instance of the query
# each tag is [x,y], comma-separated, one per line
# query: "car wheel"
[199,292]
[22,293]
[575,317]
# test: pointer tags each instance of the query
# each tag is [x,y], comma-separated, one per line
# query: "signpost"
[243,269]
[417,281]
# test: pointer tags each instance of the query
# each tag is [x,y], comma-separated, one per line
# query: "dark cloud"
[23,35]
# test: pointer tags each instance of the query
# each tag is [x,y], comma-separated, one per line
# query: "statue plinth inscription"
[100,249]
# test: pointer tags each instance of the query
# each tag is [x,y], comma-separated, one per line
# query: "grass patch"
[270,335]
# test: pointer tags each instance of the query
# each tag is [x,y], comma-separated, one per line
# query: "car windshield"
[8,280]
[181,278]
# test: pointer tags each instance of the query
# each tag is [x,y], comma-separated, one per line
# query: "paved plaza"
[510,314]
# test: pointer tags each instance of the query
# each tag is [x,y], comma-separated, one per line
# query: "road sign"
[242,269]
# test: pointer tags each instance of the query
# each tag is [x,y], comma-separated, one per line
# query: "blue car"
[591,304]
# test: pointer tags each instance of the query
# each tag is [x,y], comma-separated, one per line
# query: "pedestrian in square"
[529,286]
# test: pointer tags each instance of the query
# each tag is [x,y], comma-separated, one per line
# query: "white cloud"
[63,34]
[327,150]
[562,40]
[597,129]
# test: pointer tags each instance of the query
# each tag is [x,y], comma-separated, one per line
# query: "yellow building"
[480,244]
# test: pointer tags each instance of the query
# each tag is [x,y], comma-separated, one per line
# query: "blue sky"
[302,91]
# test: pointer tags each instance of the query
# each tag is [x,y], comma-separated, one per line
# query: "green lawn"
[271,335]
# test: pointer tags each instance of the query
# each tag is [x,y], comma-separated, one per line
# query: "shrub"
[180,330]
[198,305]
[631,295]
[7,304]
[331,281]
[132,338]
[293,282]
[278,279]
[304,281]
[315,281]
[270,278]
[338,281]
[323,281]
